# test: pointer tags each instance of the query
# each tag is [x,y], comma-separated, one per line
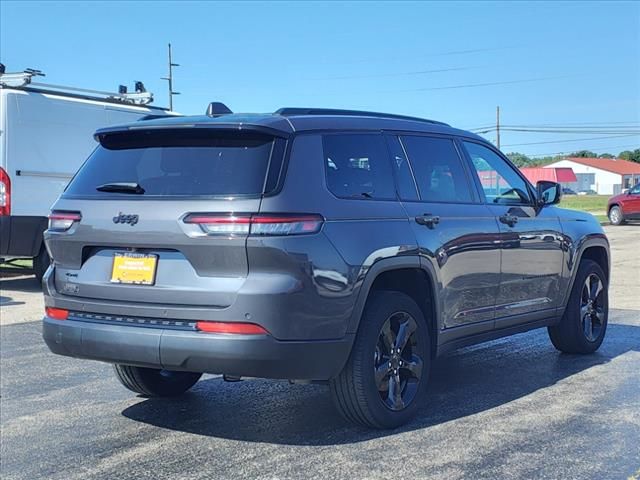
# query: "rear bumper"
[238,355]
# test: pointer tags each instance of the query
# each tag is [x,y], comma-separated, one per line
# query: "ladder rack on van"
[24,81]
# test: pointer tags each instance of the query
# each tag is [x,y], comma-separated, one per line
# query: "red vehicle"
[625,206]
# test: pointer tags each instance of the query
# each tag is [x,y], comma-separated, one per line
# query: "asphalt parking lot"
[512,408]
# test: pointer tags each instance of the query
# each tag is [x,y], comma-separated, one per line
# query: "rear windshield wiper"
[121,187]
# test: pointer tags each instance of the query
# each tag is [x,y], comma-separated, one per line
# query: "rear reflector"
[231,327]
[62,221]
[57,313]
[256,224]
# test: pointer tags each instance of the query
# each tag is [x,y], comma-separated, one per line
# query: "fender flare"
[588,241]
[386,265]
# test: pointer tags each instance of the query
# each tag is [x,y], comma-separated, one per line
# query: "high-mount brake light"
[5,193]
[260,224]
[63,221]
[237,328]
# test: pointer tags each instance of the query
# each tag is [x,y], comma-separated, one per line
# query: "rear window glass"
[179,163]
[358,166]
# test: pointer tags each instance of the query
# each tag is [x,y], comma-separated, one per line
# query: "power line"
[631,123]
[401,74]
[604,128]
[591,149]
[634,131]
[489,84]
[377,59]
[572,140]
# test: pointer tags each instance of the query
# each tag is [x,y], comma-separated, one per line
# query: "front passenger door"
[531,239]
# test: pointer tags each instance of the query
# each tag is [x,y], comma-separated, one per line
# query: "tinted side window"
[358,166]
[438,169]
[404,177]
[500,183]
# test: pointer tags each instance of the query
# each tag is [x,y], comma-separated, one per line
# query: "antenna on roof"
[217,108]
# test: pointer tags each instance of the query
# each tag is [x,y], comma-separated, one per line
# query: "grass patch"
[586,203]
[17,264]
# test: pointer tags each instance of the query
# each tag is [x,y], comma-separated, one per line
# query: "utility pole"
[498,127]
[169,79]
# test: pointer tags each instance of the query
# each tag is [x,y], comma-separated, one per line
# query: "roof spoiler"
[217,108]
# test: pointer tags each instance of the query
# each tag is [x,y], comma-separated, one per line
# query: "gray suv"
[342,247]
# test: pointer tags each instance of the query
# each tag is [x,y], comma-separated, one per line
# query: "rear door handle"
[428,220]
[509,219]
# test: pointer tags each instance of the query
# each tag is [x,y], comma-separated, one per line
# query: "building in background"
[605,176]
[564,176]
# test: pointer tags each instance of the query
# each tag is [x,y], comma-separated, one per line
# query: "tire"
[615,215]
[355,390]
[583,326]
[151,382]
[41,263]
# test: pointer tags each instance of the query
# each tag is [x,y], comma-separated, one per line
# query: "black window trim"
[475,198]
[476,179]
[323,134]
[389,137]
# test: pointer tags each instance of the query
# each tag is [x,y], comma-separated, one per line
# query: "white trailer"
[46,133]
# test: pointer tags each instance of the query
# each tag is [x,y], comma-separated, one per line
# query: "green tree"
[584,154]
[519,159]
[605,155]
[633,156]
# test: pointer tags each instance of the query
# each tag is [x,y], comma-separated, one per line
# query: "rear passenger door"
[456,233]
[531,238]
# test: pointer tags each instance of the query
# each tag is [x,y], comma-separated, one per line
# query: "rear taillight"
[261,224]
[57,313]
[5,193]
[63,221]
[236,328]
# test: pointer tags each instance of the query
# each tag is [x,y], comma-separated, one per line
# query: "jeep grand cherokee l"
[312,244]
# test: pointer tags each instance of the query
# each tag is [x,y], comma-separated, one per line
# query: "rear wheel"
[615,215]
[152,382]
[584,322]
[385,379]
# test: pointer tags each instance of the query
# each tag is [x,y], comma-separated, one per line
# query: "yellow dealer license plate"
[134,268]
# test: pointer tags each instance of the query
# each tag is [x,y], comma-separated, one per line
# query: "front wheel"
[615,216]
[152,382]
[584,323]
[385,379]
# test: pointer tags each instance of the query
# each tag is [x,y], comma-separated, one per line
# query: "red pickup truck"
[625,206]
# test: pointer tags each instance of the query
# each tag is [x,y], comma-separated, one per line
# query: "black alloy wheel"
[592,308]
[398,361]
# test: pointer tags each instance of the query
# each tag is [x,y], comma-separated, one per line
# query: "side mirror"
[549,193]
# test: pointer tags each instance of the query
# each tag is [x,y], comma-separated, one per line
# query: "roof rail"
[289,111]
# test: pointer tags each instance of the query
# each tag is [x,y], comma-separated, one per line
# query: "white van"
[46,133]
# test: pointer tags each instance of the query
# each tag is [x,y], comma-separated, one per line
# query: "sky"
[560,64]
